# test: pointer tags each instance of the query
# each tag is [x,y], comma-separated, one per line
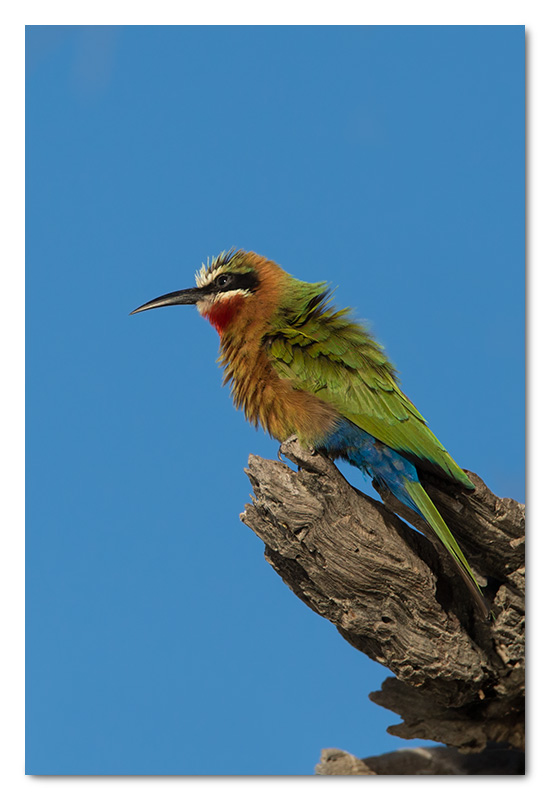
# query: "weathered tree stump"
[396,596]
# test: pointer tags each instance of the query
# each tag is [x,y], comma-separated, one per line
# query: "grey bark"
[494,760]
[396,596]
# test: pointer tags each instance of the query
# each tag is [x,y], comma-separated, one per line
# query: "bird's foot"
[290,440]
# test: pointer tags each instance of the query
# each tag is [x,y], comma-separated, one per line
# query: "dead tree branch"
[396,596]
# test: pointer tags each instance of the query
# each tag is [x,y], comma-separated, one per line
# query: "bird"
[298,366]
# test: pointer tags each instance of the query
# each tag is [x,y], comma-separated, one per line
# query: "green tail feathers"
[436,522]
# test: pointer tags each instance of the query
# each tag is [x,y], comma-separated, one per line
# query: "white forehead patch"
[206,275]
[209,271]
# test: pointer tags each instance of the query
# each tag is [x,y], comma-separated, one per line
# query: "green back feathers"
[323,351]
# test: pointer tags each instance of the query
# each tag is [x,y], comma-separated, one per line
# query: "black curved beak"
[185,297]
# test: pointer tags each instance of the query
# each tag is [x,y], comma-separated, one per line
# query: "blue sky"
[386,160]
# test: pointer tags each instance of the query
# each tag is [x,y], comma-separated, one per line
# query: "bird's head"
[235,288]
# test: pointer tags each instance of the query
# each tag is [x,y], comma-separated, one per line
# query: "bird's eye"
[223,280]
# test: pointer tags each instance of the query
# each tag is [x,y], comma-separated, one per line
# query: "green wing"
[324,352]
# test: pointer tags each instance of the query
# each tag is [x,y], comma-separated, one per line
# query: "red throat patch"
[222,313]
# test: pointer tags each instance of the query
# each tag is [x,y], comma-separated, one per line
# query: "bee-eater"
[296,365]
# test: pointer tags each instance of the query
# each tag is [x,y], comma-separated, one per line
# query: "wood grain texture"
[494,760]
[395,595]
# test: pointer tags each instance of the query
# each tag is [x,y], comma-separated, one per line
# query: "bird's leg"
[292,438]
[288,444]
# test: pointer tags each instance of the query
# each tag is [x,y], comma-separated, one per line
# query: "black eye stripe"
[229,281]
